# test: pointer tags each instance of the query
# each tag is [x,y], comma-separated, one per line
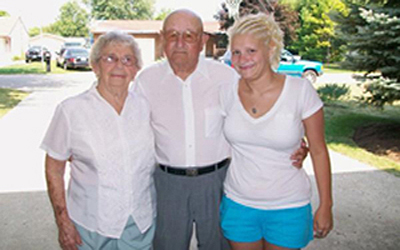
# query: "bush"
[18,58]
[381,91]
[333,92]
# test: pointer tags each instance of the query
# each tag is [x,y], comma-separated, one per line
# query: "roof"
[47,35]
[7,25]
[140,26]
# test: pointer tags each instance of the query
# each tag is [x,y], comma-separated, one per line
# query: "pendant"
[254,110]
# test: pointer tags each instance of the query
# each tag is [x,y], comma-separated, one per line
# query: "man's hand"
[300,155]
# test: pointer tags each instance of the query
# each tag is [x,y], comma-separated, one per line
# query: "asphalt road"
[367,201]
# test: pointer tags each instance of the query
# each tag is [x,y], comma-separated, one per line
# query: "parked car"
[69,45]
[291,65]
[35,53]
[73,57]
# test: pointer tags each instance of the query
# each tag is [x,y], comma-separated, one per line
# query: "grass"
[9,98]
[334,68]
[344,117]
[33,68]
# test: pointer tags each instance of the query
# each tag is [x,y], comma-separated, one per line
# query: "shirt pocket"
[213,122]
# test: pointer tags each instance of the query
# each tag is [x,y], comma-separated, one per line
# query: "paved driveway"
[23,128]
[367,201]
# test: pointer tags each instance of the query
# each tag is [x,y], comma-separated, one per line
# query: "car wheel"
[310,75]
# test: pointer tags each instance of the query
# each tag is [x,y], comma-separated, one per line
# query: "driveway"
[367,201]
[23,128]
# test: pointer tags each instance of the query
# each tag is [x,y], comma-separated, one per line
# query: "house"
[14,38]
[147,34]
[52,42]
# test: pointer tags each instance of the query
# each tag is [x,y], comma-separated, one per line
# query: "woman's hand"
[323,222]
[68,236]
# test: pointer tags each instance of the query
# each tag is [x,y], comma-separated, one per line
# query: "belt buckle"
[192,172]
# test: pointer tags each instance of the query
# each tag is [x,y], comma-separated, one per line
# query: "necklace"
[254,109]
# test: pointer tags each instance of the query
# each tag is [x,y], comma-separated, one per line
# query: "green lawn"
[10,98]
[341,121]
[335,68]
[34,68]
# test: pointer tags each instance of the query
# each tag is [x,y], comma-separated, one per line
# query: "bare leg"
[258,245]
[269,246]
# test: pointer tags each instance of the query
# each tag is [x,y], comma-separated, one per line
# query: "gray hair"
[264,28]
[115,37]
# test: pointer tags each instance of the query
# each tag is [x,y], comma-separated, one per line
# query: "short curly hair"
[115,37]
[263,27]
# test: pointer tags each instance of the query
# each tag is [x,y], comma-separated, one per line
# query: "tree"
[72,22]
[34,31]
[286,17]
[4,13]
[121,9]
[162,14]
[316,36]
[372,32]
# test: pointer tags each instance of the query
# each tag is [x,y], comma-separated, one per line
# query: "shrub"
[333,92]
[380,91]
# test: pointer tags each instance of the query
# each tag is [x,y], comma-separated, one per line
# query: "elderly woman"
[267,200]
[105,132]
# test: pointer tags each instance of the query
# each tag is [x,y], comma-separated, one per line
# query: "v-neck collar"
[96,92]
[267,114]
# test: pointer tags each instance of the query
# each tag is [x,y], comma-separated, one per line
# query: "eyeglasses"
[187,36]
[113,59]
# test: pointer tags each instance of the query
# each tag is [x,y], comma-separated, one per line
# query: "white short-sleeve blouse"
[112,161]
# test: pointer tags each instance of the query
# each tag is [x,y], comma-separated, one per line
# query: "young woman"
[267,200]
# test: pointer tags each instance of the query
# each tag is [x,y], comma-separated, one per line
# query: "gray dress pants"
[182,201]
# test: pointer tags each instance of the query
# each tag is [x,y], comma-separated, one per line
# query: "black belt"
[194,171]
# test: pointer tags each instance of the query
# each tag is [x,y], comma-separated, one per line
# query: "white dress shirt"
[186,115]
[112,161]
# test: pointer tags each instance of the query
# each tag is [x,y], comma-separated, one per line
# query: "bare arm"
[68,235]
[314,127]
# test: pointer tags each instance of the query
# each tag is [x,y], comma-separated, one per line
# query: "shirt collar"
[201,68]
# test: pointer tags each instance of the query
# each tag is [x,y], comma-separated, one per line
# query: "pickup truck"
[291,65]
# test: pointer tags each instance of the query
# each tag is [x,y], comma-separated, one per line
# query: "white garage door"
[146,45]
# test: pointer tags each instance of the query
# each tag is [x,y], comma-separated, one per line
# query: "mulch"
[380,139]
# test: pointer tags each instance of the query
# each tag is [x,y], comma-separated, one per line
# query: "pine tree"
[372,32]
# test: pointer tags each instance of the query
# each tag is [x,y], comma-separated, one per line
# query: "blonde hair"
[115,37]
[264,28]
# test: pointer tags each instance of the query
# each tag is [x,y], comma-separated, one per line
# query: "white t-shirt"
[186,115]
[113,161]
[261,174]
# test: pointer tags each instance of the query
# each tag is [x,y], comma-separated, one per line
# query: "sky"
[37,13]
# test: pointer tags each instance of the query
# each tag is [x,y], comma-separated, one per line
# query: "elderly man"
[193,156]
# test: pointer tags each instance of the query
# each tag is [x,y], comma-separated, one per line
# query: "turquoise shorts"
[290,228]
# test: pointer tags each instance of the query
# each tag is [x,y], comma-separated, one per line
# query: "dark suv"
[35,53]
